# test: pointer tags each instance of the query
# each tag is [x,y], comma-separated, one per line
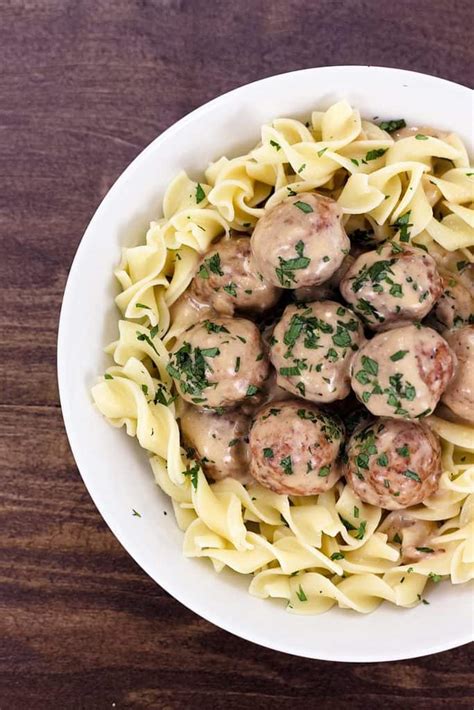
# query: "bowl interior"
[116,470]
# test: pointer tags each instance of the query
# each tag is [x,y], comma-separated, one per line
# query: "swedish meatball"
[294,448]
[392,286]
[218,362]
[226,280]
[300,242]
[393,463]
[312,347]
[218,441]
[403,372]
[455,306]
[459,395]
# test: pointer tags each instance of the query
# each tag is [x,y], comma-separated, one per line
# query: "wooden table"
[84,86]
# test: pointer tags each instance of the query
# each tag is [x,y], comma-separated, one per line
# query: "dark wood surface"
[84,86]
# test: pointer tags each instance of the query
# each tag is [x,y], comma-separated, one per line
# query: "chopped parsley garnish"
[461,265]
[275,145]
[290,371]
[188,366]
[412,474]
[135,513]
[147,339]
[337,556]
[285,272]
[287,465]
[252,390]
[397,539]
[231,289]
[301,595]
[214,327]
[303,206]
[300,171]
[399,355]
[193,474]
[272,413]
[393,125]
[142,305]
[404,451]
[434,577]
[237,364]
[324,471]
[403,224]
[374,154]
[145,389]
[268,453]
[361,530]
[427,550]
[200,194]
[108,377]
[233,442]
[421,137]
[321,152]
[356,512]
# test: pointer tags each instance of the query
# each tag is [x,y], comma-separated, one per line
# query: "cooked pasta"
[313,551]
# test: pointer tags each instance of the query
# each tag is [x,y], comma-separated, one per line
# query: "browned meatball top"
[392,286]
[295,447]
[226,280]
[403,372]
[393,463]
[218,441]
[300,241]
[219,362]
[312,347]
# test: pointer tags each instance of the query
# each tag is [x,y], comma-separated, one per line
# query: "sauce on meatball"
[226,280]
[219,362]
[295,448]
[218,441]
[391,286]
[312,347]
[393,463]
[300,241]
[403,372]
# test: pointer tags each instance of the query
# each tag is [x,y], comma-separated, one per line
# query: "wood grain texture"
[84,86]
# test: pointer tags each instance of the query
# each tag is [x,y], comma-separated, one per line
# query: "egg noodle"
[319,550]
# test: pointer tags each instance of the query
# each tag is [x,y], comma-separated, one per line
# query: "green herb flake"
[135,513]
[412,474]
[324,471]
[337,556]
[108,377]
[237,364]
[382,460]
[252,390]
[435,577]
[361,530]
[301,595]
[287,465]
[275,145]
[421,137]
[200,194]
[303,206]
[427,550]
[399,355]
[268,453]
[374,154]
[142,305]
[231,289]
[393,125]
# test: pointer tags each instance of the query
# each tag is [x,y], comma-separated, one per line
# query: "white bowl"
[114,468]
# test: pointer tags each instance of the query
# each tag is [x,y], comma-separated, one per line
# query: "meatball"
[459,395]
[455,306]
[312,347]
[219,362]
[227,282]
[300,241]
[403,372]
[393,463]
[218,441]
[294,448]
[391,286]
